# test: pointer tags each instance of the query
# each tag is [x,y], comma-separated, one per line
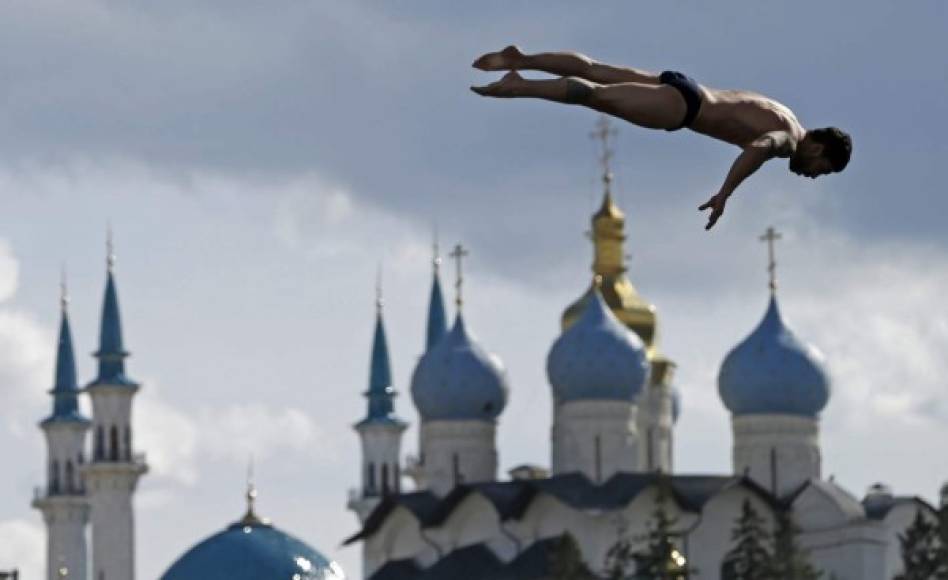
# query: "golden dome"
[608,235]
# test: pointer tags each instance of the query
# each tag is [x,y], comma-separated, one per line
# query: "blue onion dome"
[597,358]
[774,372]
[252,549]
[458,380]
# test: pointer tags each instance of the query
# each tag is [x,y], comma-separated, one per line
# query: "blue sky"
[258,162]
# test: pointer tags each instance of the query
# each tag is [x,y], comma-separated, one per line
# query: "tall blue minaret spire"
[111,353]
[65,389]
[381,430]
[380,393]
[437,320]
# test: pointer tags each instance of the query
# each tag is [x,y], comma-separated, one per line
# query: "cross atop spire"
[459,253]
[771,236]
[603,132]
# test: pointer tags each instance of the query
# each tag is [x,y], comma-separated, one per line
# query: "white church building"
[613,420]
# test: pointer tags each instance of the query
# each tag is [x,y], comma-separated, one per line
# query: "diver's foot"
[505,87]
[507,59]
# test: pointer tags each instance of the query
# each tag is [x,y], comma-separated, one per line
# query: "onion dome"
[597,358]
[252,549]
[774,372]
[458,380]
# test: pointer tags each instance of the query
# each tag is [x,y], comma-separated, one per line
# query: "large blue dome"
[597,358]
[253,551]
[458,380]
[773,372]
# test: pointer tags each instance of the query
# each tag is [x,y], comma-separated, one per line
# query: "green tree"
[924,555]
[620,558]
[751,558]
[790,561]
[566,560]
[660,558]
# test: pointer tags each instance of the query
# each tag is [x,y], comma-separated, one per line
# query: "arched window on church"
[128,443]
[384,479]
[113,443]
[99,452]
[370,480]
[456,468]
[70,478]
[54,478]
[398,478]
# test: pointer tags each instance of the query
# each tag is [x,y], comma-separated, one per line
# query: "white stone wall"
[655,429]
[110,487]
[66,518]
[785,446]
[468,447]
[65,444]
[381,446]
[597,438]
[112,410]
[855,551]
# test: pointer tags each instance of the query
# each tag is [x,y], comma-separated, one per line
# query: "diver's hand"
[716,205]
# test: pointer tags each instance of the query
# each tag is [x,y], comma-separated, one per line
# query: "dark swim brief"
[689,90]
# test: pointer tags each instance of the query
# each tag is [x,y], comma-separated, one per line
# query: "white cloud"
[22,546]
[9,272]
[168,436]
[26,352]
[240,431]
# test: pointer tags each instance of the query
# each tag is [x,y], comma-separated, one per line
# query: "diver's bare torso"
[741,117]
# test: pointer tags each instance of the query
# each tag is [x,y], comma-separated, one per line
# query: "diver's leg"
[649,106]
[564,64]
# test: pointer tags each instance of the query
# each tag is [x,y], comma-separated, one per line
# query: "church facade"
[615,406]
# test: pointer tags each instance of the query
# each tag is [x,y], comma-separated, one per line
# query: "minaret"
[775,387]
[657,407]
[459,390]
[63,504]
[381,430]
[437,319]
[112,475]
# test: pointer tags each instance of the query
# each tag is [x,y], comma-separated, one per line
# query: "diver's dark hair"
[837,146]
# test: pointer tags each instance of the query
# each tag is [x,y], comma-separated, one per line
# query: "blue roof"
[253,552]
[774,372]
[65,390]
[437,320]
[597,358]
[380,393]
[111,353]
[458,380]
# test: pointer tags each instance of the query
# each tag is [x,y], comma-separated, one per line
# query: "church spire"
[437,320]
[111,353]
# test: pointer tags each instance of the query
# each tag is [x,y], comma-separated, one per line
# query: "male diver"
[761,126]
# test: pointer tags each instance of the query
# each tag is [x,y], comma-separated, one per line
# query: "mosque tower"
[459,390]
[64,505]
[381,430]
[659,402]
[775,387]
[112,475]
